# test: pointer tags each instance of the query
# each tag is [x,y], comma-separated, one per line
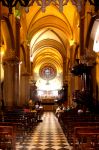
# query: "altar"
[48,104]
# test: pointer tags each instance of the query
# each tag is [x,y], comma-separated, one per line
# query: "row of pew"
[15,125]
[81,130]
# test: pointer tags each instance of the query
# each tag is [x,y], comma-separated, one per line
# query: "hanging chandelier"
[95,3]
[44,3]
[12,3]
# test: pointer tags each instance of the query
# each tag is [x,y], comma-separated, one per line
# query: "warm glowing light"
[41,35]
[45,93]
[72,42]
[55,93]
[40,93]
[51,86]
[31,59]
[2,51]
[96,41]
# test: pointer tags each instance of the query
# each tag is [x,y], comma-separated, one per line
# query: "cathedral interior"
[49,54]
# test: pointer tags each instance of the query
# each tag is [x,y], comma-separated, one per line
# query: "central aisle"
[48,135]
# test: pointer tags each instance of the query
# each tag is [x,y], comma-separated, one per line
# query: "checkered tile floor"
[48,135]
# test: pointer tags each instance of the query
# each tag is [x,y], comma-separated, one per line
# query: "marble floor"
[47,135]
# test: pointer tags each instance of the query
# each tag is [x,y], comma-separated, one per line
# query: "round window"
[48,72]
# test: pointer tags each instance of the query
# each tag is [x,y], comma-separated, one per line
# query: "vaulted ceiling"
[50,34]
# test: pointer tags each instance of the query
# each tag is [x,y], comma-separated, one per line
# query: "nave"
[47,135]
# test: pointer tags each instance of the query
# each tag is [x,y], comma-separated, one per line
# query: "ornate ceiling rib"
[42,3]
[52,44]
[45,22]
[35,43]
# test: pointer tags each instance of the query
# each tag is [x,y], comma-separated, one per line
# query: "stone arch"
[7,33]
[42,24]
[51,43]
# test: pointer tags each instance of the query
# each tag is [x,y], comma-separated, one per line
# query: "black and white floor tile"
[48,135]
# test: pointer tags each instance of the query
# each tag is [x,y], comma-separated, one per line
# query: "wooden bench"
[86,137]
[7,137]
[25,122]
[69,120]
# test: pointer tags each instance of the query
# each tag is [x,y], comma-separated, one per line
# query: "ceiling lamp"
[95,3]
[44,3]
[12,3]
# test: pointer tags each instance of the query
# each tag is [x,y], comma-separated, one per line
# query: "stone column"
[0,57]
[17,37]
[82,24]
[64,70]
[28,59]
[0,83]
[24,89]
[11,79]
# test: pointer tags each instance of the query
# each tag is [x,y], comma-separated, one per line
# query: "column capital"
[25,74]
[11,57]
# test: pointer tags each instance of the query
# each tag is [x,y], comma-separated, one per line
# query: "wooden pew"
[20,133]
[86,137]
[24,121]
[71,119]
[7,137]
[79,124]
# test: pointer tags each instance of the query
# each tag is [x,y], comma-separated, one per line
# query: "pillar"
[24,89]
[17,37]
[11,79]
[64,70]
[82,23]
[28,59]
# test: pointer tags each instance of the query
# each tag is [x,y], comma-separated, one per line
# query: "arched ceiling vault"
[46,22]
[49,43]
[48,51]
[47,55]
[6,30]
[48,61]
[50,16]
[49,34]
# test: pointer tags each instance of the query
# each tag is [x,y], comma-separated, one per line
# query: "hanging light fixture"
[95,3]
[44,3]
[12,3]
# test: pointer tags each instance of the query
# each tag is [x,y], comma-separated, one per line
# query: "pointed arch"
[7,33]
